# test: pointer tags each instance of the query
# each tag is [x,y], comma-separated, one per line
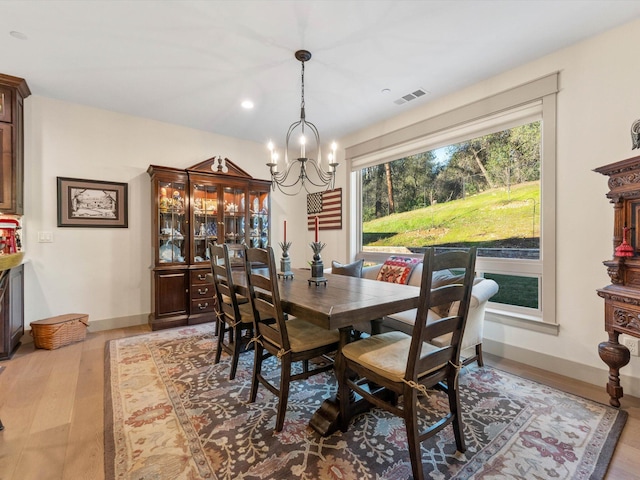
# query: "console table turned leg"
[615,356]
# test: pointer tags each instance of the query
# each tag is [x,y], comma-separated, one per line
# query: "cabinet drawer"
[202,305]
[626,320]
[199,277]
[201,291]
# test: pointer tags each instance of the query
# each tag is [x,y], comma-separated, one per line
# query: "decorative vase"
[285,261]
[317,267]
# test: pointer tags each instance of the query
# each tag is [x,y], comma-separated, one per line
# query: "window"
[482,175]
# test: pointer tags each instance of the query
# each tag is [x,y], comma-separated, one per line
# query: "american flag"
[327,206]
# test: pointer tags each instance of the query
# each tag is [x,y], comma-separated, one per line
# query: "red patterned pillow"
[397,269]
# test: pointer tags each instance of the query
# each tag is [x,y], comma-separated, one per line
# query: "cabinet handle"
[202,277]
[202,307]
[202,292]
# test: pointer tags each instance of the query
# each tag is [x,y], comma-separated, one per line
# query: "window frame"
[527,102]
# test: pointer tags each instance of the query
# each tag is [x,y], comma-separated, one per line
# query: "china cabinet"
[13,91]
[214,201]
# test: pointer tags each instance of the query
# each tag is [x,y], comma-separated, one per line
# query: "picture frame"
[92,203]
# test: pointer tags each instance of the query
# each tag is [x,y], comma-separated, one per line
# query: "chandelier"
[302,172]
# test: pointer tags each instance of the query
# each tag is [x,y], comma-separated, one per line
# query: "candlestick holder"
[285,262]
[317,267]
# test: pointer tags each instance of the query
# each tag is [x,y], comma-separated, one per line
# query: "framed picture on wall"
[92,203]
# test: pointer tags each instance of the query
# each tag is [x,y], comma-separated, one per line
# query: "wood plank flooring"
[52,407]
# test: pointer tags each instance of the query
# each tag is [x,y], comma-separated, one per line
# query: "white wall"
[105,272]
[599,98]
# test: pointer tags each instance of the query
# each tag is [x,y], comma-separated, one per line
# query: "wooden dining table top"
[343,301]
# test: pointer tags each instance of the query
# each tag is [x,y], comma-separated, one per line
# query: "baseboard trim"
[120,322]
[561,366]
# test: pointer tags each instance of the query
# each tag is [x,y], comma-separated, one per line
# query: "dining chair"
[291,340]
[407,365]
[234,323]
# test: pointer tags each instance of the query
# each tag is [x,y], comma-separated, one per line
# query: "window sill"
[527,322]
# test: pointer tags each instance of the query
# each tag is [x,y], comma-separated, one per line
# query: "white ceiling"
[192,62]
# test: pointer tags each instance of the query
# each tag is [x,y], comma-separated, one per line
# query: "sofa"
[483,290]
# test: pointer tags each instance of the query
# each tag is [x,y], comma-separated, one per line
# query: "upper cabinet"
[214,201]
[13,91]
[228,206]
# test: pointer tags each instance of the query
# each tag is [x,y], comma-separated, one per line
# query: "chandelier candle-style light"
[305,165]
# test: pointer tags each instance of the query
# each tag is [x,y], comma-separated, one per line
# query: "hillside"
[494,218]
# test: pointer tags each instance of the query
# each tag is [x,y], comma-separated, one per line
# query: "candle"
[285,231]
[317,229]
[302,142]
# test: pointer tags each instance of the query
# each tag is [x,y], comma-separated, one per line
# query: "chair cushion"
[239,298]
[386,354]
[353,269]
[304,335]
[397,269]
[246,313]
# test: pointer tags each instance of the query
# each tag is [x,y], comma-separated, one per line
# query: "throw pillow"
[441,278]
[445,277]
[353,269]
[397,269]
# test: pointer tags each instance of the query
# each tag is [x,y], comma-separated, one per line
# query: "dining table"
[339,303]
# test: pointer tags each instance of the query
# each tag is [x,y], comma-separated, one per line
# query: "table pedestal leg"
[326,419]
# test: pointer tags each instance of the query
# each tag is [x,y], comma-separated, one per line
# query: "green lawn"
[494,218]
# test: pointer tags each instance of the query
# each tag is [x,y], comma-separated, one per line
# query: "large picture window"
[486,180]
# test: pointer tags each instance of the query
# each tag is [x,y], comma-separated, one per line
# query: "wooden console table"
[622,297]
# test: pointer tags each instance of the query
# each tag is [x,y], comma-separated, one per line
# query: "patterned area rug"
[172,414]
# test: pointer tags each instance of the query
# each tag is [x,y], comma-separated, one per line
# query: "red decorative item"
[8,228]
[624,249]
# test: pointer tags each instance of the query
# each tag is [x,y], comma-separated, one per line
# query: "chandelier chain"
[302,88]
[303,164]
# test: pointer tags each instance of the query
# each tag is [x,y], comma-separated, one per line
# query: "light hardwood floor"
[52,406]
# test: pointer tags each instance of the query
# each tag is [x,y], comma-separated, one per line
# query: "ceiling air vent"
[411,96]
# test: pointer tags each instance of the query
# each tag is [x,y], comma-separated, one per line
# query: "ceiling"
[192,63]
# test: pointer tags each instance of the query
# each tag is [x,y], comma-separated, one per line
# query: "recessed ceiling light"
[385,91]
[247,104]
[18,35]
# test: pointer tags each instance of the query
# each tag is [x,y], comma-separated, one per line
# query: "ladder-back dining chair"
[290,340]
[408,365]
[234,324]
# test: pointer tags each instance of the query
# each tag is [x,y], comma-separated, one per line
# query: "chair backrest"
[443,296]
[223,282]
[262,283]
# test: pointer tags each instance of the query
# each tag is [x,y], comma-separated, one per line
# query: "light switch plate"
[45,237]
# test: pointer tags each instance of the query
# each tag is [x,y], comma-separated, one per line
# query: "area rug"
[172,414]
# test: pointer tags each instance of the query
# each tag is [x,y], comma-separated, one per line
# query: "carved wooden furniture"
[213,201]
[622,297]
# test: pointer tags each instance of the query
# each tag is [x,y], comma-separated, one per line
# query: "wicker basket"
[55,332]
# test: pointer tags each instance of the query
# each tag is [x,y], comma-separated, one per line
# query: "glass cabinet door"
[205,220]
[259,219]
[172,241]
[234,221]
